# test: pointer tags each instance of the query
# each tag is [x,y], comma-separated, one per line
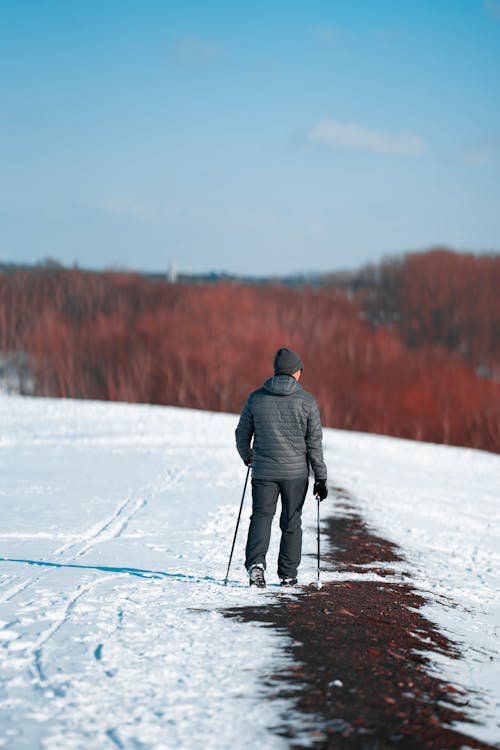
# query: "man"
[285,425]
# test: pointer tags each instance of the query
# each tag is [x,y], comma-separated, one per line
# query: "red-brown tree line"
[441,297]
[124,337]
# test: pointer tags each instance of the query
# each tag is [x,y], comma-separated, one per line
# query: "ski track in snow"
[117,640]
[105,646]
[111,528]
[102,531]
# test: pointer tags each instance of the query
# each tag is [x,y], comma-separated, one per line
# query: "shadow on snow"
[138,572]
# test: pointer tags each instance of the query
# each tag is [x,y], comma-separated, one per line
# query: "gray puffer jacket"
[284,421]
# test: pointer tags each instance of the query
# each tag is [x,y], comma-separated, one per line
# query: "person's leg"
[264,500]
[293,493]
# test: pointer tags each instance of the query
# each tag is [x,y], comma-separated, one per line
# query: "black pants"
[265,495]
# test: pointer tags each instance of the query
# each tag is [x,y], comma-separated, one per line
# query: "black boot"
[256,573]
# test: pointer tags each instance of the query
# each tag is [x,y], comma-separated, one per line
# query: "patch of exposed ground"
[362,652]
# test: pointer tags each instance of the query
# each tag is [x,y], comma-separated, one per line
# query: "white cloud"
[353,137]
[191,50]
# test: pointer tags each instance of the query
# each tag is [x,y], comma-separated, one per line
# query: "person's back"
[284,422]
[280,416]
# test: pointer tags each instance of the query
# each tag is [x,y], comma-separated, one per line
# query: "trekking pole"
[318,582]
[237,524]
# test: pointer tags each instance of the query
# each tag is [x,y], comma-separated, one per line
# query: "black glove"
[248,462]
[320,489]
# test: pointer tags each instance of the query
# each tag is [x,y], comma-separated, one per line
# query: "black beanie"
[287,362]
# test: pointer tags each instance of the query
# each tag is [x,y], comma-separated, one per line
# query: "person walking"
[283,420]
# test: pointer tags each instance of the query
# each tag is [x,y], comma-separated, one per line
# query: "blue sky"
[262,137]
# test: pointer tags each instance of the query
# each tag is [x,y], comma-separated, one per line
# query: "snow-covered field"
[441,505]
[117,522]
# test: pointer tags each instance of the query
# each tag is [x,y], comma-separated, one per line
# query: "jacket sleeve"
[314,443]
[244,432]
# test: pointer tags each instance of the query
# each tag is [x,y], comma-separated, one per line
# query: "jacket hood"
[282,385]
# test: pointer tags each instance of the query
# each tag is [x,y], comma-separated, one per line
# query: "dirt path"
[362,652]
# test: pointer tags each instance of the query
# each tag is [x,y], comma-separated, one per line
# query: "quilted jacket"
[284,422]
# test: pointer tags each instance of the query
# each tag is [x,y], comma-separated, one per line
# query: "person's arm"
[244,433]
[314,443]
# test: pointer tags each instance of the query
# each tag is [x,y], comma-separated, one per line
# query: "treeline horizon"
[409,347]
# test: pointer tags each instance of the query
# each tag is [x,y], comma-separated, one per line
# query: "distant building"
[172,272]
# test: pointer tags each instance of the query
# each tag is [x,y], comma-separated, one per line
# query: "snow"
[117,523]
[441,505]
